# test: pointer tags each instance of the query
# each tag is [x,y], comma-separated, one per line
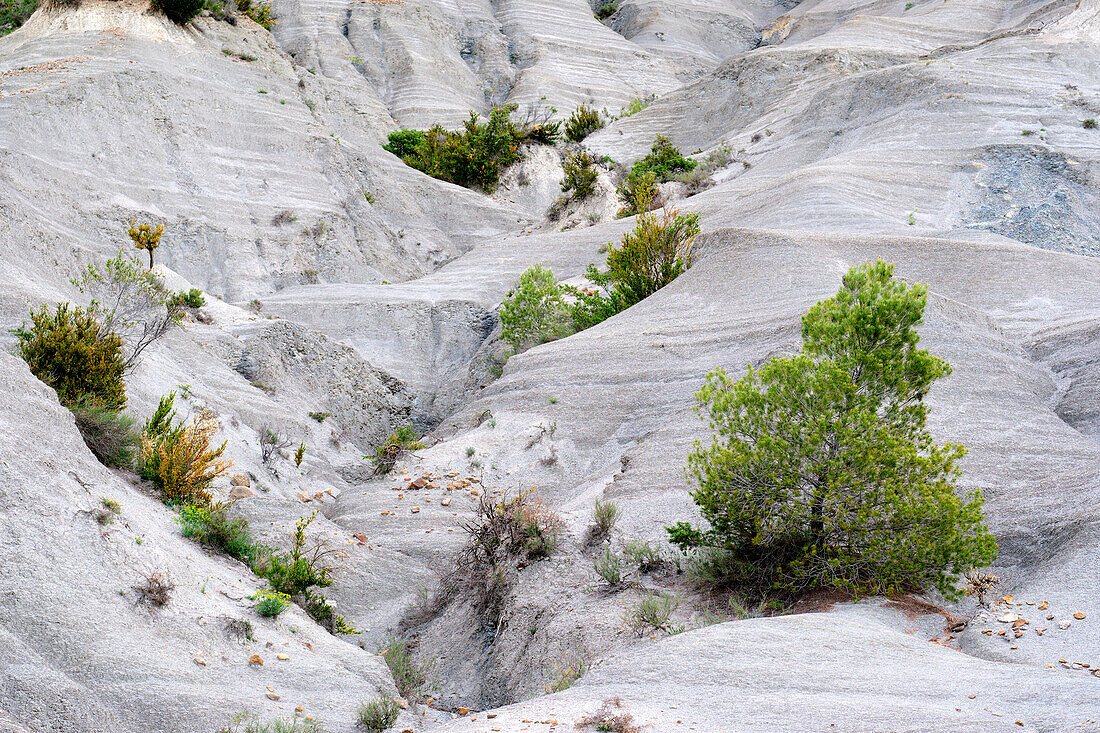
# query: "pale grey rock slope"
[871,130]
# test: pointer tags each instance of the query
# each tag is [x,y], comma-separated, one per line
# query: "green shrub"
[400,442]
[211,525]
[320,416]
[258,11]
[72,352]
[1089,124]
[14,13]
[643,555]
[534,312]
[474,156]
[378,715]
[272,603]
[604,516]
[580,175]
[180,12]
[637,105]
[412,678]
[699,178]
[192,298]
[606,9]
[609,566]
[583,122]
[109,434]
[664,162]
[857,494]
[652,611]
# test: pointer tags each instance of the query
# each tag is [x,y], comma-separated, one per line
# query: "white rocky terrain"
[944,136]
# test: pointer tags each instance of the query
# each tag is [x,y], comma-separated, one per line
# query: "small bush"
[258,11]
[580,175]
[637,105]
[643,555]
[273,441]
[320,416]
[284,217]
[404,143]
[1089,124]
[606,719]
[109,434]
[699,178]
[192,298]
[534,312]
[272,603]
[156,589]
[608,566]
[604,516]
[653,611]
[412,679]
[180,12]
[400,442]
[146,237]
[565,674]
[378,714]
[70,351]
[178,458]
[584,121]
[212,526]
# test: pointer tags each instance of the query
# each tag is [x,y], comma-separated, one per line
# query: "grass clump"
[109,434]
[652,611]
[604,516]
[644,556]
[565,674]
[609,566]
[413,679]
[583,122]
[378,715]
[247,722]
[155,589]
[474,156]
[534,311]
[822,472]
[401,441]
[213,526]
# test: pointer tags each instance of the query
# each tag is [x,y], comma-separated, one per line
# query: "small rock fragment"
[200,661]
[463,711]
[445,501]
[1079,616]
[239,479]
[401,703]
[256,659]
[415,510]
[1008,618]
[272,696]
[283,657]
[242,492]
[1043,605]
[1064,624]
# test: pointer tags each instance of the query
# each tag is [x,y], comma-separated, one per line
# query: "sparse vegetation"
[605,9]
[109,434]
[858,496]
[300,454]
[981,585]
[584,121]
[637,105]
[644,556]
[192,298]
[378,715]
[607,719]
[401,441]
[146,237]
[1089,124]
[652,611]
[663,163]
[212,525]
[604,516]
[565,674]
[247,722]
[534,312]
[180,12]
[273,441]
[258,11]
[131,302]
[14,13]
[700,178]
[319,416]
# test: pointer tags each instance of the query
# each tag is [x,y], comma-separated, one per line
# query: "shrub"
[131,302]
[192,298]
[566,674]
[272,603]
[156,588]
[258,11]
[534,311]
[180,12]
[664,162]
[646,557]
[273,442]
[606,719]
[412,678]
[300,454]
[580,175]
[320,416]
[400,442]
[637,105]
[583,122]
[857,496]
[72,352]
[1089,124]
[653,610]
[651,256]
[473,156]
[604,516]
[378,715]
[609,566]
[14,13]
[179,458]
[109,434]
[606,9]
[212,526]
[699,178]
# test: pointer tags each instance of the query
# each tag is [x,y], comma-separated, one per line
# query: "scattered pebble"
[256,659]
